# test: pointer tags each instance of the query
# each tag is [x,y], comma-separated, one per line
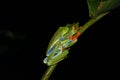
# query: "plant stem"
[48,72]
[91,21]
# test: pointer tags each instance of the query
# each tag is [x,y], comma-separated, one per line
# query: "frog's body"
[58,47]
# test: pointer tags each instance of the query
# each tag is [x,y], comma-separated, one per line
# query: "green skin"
[64,32]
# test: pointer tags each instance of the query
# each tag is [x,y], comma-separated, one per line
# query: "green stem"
[91,21]
[48,72]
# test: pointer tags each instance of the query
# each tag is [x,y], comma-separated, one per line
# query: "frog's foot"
[73,38]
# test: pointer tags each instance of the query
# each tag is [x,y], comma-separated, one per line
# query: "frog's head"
[73,28]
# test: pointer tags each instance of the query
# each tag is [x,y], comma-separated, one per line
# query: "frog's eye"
[73,27]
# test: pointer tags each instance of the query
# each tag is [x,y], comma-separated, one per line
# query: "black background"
[94,56]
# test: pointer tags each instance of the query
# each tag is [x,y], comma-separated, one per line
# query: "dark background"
[25,31]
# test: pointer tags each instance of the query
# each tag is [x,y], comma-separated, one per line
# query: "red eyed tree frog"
[61,42]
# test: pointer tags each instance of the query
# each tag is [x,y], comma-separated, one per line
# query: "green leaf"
[97,7]
[92,6]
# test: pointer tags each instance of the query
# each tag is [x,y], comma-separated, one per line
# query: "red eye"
[74,27]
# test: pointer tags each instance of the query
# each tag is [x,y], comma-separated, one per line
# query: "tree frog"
[61,42]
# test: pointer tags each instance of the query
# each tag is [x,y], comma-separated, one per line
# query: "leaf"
[92,6]
[97,7]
